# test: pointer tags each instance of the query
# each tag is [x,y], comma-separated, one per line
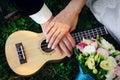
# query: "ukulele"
[27,51]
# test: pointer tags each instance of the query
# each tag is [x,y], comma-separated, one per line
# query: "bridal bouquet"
[98,60]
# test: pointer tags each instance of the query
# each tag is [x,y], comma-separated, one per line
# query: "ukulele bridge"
[21,53]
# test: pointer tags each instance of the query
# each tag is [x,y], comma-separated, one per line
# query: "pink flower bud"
[102,51]
[81,46]
[117,70]
[95,44]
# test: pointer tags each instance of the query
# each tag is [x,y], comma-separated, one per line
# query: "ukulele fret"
[92,33]
[89,34]
[21,54]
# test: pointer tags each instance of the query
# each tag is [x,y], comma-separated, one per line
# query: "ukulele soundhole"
[44,47]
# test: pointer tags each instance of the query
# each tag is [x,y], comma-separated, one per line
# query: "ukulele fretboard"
[92,33]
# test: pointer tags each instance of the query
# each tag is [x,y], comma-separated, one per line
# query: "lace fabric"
[107,12]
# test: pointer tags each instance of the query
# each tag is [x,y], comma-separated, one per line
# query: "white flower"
[103,52]
[118,58]
[89,49]
[110,75]
[108,64]
[105,44]
[95,44]
[87,41]
[112,51]
[90,63]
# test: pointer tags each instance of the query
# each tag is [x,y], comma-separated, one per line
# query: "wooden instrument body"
[35,56]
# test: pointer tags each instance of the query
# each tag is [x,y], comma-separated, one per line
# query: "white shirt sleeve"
[42,16]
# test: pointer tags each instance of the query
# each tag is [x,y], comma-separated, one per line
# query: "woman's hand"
[57,33]
[63,23]
[66,45]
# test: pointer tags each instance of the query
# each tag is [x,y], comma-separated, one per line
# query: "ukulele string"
[44,46]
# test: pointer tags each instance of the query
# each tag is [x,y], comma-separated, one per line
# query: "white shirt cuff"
[42,16]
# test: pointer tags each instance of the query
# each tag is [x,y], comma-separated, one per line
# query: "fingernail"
[52,47]
[48,46]
[69,55]
[46,41]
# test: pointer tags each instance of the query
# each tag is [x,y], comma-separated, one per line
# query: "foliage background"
[66,69]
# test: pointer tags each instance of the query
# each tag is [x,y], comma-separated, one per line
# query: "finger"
[65,50]
[67,43]
[53,38]
[72,41]
[58,39]
[58,50]
[48,36]
[51,25]
[72,29]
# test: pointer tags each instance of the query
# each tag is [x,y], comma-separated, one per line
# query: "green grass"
[66,69]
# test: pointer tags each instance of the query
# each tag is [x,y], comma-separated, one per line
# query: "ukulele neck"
[92,33]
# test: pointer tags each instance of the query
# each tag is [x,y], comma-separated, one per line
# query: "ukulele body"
[27,51]
[29,45]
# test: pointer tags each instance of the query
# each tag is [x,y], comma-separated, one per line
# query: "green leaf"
[76,51]
[116,53]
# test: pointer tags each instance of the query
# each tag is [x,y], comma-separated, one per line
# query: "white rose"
[105,44]
[108,64]
[110,75]
[89,49]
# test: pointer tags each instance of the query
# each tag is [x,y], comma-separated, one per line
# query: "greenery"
[66,69]
[99,60]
